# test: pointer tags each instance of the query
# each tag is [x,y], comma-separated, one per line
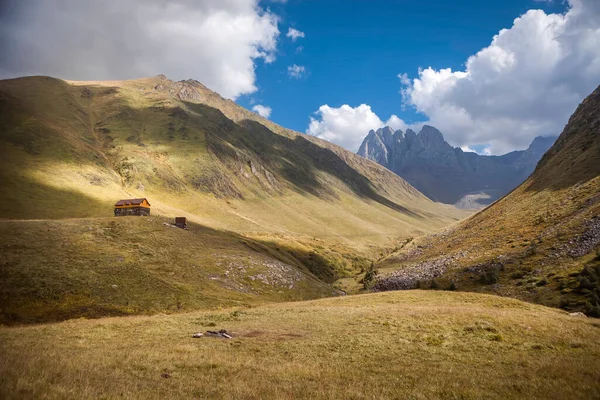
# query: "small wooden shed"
[132,207]
[181,222]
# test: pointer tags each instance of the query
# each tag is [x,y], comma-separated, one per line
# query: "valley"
[288,237]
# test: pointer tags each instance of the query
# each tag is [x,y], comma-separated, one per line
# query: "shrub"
[542,282]
[518,275]
[452,286]
[584,283]
[490,277]
[370,277]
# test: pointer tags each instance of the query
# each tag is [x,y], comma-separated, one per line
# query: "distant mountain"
[448,174]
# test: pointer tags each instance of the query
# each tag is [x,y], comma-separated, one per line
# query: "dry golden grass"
[526,239]
[59,269]
[419,345]
[70,149]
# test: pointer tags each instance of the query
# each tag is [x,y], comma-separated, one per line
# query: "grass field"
[401,345]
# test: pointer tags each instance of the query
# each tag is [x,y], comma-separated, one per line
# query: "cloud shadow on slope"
[297,160]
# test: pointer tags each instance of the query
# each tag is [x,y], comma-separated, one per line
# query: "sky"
[490,75]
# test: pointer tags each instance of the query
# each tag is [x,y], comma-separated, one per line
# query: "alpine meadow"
[166,230]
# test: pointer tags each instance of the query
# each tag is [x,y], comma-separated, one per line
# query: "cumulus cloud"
[214,41]
[296,71]
[347,126]
[294,34]
[263,111]
[526,83]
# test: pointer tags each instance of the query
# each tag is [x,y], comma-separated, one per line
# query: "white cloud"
[294,34]
[526,83]
[214,41]
[347,126]
[263,111]
[296,71]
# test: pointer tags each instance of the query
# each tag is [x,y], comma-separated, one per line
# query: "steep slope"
[70,149]
[540,243]
[448,174]
[289,207]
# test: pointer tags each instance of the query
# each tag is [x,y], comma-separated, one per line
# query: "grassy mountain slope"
[418,345]
[540,243]
[59,269]
[69,149]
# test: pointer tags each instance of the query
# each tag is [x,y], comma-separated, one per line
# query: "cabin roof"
[131,202]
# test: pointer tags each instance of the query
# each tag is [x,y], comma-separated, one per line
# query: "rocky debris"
[188,93]
[409,277]
[165,375]
[221,333]
[587,241]
[240,275]
[578,315]
[485,267]
[86,93]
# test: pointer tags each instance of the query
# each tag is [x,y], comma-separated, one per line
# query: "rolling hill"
[540,243]
[417,345]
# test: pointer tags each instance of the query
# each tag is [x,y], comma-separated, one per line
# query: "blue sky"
[354,50]
[491,75]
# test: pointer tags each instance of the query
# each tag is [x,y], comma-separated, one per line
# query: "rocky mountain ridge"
[448,174]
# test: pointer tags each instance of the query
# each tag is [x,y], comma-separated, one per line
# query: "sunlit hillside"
[270,201]
[539,243]
[71,149]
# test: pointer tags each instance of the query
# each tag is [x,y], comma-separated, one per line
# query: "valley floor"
[416,344]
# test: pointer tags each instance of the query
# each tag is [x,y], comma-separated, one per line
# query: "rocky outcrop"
[447,174]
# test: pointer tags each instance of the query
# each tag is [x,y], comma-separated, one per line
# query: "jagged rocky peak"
[445,173]
[431,134]
[432,139]
[377,143]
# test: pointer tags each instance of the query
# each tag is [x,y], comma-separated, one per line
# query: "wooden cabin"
[132,207]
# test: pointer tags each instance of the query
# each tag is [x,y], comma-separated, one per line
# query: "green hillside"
[540,243]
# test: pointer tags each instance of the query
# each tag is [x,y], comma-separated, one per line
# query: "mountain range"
[448,174]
